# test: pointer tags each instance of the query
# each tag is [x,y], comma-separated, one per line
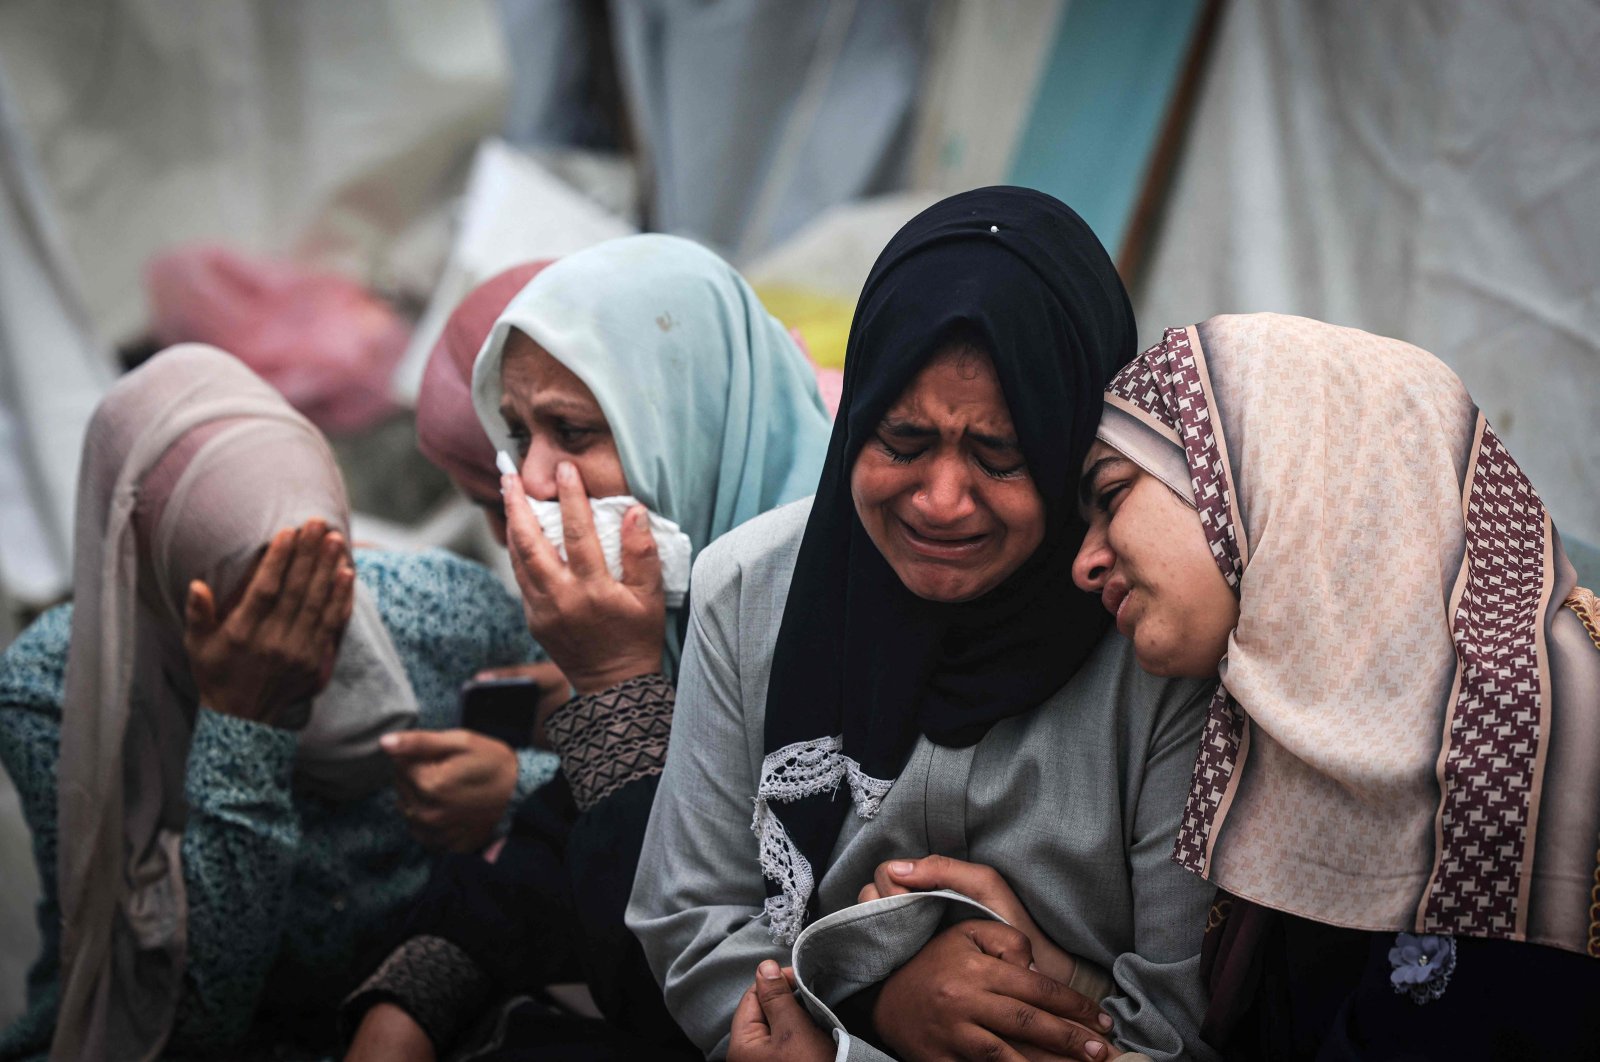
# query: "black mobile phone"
[502,708]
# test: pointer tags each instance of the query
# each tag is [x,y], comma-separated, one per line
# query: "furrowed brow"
[1007,443]
[905,429]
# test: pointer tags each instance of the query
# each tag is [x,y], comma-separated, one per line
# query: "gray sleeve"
[851,1049]
[698,896]
[1160,999]
[841,953]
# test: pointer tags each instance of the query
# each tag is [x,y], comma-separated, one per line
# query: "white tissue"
[672,545]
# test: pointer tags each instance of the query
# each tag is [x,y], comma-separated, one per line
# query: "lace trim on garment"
[794,772]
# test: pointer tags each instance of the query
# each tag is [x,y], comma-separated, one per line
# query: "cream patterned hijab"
[190,465]
[1405,736]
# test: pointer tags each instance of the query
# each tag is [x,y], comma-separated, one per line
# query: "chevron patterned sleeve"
[431,979]
[613,737]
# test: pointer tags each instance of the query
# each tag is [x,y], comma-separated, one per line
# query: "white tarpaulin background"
[1429,171]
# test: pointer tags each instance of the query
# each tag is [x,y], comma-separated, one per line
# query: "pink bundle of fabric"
[325,342]
[830,382]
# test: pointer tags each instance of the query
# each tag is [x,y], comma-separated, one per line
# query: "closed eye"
[896,456]
[1107,494]
[1002,473]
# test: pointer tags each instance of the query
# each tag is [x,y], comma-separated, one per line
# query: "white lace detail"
[803,769]
[782,862]
[867,792]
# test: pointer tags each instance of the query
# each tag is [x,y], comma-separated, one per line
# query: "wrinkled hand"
[771,1024]
[554,690]
[981,883]
[389,1034]
[454,785]
[275,648]
[970,994]
[599,630]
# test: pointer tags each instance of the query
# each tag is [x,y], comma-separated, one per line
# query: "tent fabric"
[52,372]
[752,116]
[320,130]
[970,119]
[1100,105]
[1425,171]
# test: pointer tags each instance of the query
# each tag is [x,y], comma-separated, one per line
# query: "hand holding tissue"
[672,545]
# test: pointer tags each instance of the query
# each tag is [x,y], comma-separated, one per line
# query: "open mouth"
[942,546]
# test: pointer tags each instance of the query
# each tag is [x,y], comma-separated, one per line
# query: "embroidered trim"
[432,980]
[794,772]
[1594,910]
[1586,607]
[611,738]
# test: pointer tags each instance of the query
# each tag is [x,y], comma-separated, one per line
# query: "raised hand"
[598,629]
[273,650]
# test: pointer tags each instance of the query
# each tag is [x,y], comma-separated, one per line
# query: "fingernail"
[503,462]
[639,517]
[901,869]
[769,970]
[1105,1022]
[565,472]
[1094,1048]
[389,741]
[1034,967]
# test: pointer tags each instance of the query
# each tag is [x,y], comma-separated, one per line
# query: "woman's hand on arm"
[981,883]
[771,1025]
[599,630]
[454,785]
[972,993]
[275,648]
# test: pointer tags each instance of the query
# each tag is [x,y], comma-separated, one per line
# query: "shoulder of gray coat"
[767,543]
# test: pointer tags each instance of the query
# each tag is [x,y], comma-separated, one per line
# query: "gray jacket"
[1075,803]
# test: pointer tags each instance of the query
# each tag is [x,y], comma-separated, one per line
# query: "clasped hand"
[997,991]
[598,629]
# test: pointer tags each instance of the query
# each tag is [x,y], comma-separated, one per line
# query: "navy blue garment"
[1301,991]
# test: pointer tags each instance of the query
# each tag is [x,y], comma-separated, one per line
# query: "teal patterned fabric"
[289,895]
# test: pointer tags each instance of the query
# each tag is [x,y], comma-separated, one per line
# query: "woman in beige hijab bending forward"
[196,738]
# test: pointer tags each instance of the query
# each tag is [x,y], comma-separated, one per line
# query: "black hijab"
[858,655]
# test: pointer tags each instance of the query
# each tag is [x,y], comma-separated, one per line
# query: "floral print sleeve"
[239,850]
[273,882]
[32,674]
[238,846]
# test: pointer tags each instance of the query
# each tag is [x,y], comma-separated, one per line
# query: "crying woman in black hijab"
[934,658]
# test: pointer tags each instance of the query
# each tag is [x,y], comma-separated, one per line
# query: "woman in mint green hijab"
[649,365]
[637,386]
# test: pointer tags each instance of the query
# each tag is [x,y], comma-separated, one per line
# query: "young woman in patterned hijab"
[1398,791]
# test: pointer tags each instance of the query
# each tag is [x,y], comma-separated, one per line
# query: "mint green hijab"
[714,408]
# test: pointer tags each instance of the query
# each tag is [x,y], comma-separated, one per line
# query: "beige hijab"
[190,465]
[1406,732]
